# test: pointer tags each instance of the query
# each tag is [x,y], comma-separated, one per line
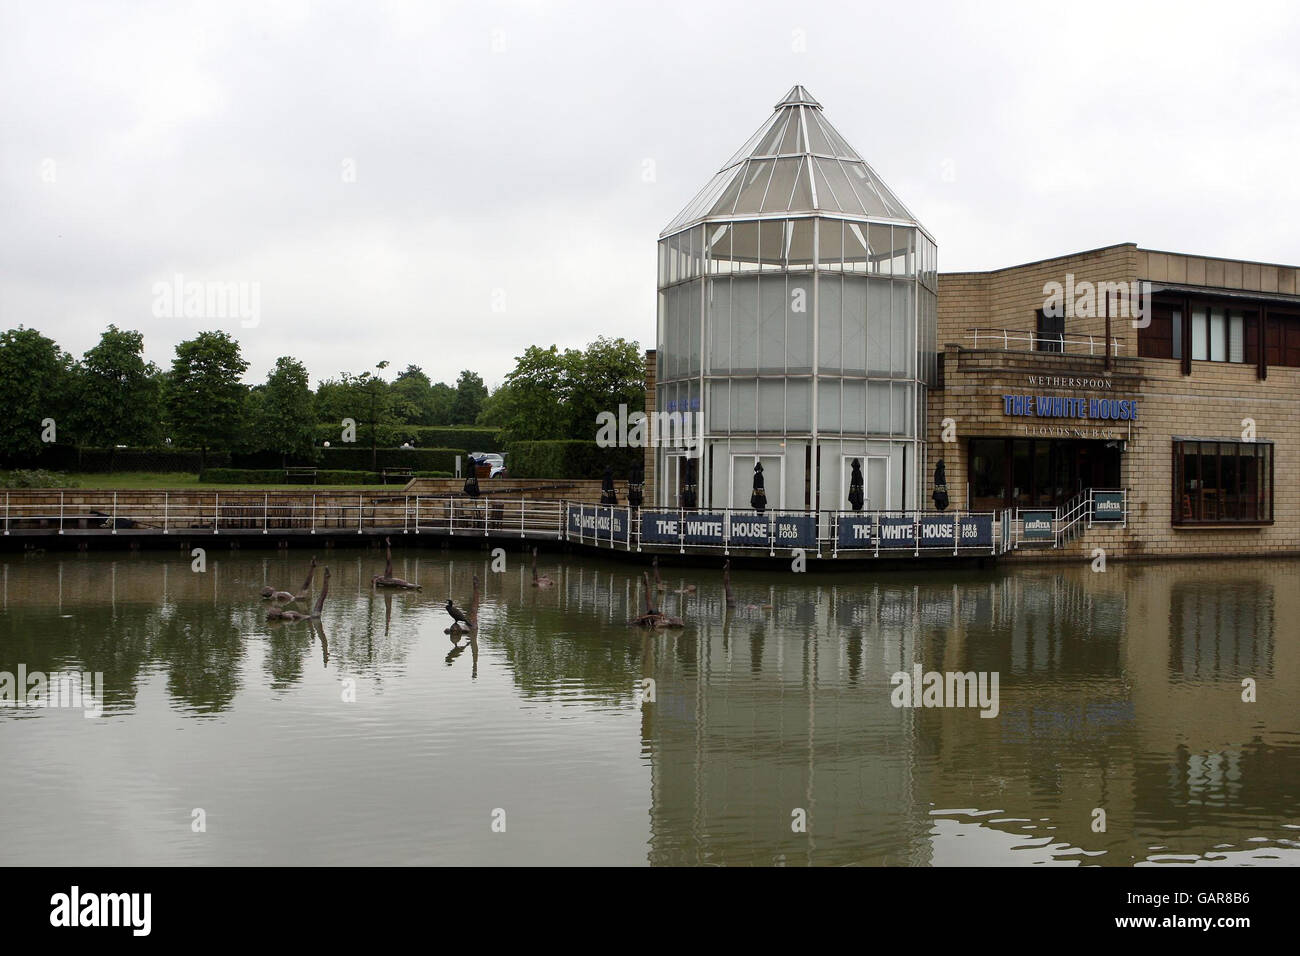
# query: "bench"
[291,473]
[406,474]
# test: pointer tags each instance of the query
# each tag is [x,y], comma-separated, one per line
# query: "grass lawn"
[148,480]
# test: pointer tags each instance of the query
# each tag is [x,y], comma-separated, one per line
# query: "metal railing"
[833,533]
[1019,340]
[1069,520]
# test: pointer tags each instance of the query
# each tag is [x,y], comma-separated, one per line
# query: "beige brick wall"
[1210,403]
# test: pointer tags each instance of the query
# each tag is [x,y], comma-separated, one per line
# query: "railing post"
[216,512]
[956,532]
[61,512]
[114,525]
[406,511]
[523,517]
[417,514]
[1005,346]
[313,512]
[166,503]
[266,501]
[359,513]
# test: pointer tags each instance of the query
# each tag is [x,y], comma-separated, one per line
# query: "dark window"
[1282,340]
[1051,333]
[1163,338]
[1218,482]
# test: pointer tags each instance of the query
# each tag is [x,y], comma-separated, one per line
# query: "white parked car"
[496,462]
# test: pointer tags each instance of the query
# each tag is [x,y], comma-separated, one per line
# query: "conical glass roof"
[797,163]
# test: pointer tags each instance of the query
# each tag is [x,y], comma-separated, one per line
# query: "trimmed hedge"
[423,436]
[568,459]
[356,458]
[275,476]
[166,459]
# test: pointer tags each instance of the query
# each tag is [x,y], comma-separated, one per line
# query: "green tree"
[205,396]
[288,411]
[470,393]
[117,393]
[530,404]
[607,374]
[36,383]
[413,399]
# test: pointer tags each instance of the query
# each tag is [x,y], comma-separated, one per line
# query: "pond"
[797,728]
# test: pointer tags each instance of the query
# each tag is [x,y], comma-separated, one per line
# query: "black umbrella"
[607,494]
[855,485]
[636,485]
[471,483]
[758,500]
[940,487]
[689,496]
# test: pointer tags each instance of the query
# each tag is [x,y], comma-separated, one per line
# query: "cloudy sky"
[445,183]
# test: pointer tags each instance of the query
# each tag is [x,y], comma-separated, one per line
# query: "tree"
[36,384]
[530,404]
[413,399]
[117,394]
[470,393]
[609,373]
[288,411]
[552,394]
[205,396]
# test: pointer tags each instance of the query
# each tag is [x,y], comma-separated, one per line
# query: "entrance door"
[742,480]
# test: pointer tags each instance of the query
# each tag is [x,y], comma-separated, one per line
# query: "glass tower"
[797,313]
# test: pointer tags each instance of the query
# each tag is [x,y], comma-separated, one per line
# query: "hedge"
[166,459]
[276,476]
[422,436]
[352,457]
[568,459]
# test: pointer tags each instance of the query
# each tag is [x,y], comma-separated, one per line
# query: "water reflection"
[1120,691]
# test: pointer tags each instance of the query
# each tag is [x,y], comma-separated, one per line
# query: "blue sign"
[1058,406]
[976,531]
[596,521]
[1037,525]
[794,531]
[938,531]
[749,530]
[897,532]
[1108,506]
[703,528]
[855,531]
[660,527]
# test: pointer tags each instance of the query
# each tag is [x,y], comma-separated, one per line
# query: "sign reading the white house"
[1059,406]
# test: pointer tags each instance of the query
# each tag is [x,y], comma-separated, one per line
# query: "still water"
[370,738]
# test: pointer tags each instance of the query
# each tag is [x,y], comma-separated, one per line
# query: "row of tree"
[112,396]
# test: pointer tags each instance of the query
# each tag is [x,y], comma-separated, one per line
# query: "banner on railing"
[938,531]
[794,531]
[1108,506]
[976,531]
[749,531]
[604,523]
[855,531]
[897,532]
[1037,525]
[671,527]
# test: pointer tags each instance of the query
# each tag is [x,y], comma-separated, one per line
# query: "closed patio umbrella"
[758,500]
[471,483]
[636,485]
[607,494]
[940,487]
[689,496]
[855,485]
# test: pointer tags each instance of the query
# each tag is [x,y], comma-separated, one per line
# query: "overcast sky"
[445,184]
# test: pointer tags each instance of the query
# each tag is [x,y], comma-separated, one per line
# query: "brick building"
[803,322]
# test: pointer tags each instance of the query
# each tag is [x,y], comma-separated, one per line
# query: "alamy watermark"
[953,689]
[1089,300]
[672,429]
[70,689]
[181,299]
